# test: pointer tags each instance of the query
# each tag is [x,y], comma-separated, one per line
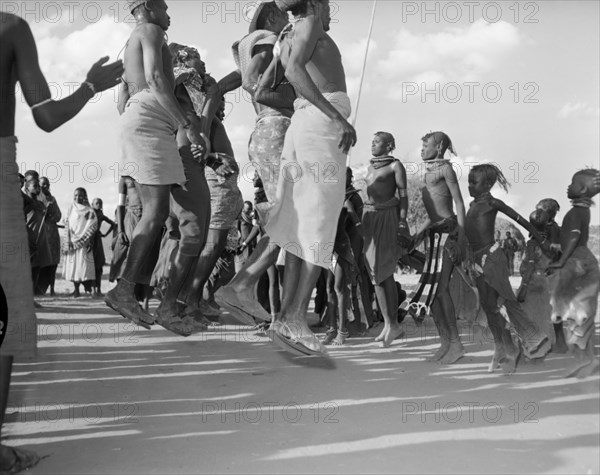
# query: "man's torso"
[135,74]
[325,66]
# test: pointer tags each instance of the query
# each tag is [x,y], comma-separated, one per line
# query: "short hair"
[31,173]
[440,137]
[388,138]
[492,174]
[549,205]
[139,4]
[587,172]
[248,203]
[539,219]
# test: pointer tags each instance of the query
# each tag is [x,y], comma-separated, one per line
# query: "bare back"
[135,72]
[325,66]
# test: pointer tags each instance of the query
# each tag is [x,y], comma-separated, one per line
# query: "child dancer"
[492,281]
[575,284]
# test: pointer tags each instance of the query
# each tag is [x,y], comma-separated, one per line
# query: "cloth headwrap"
[133,4]
[285,5]
[256,16]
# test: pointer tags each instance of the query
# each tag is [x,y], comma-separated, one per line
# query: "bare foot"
[381,336]
[439,354]
[589,369]
[499,355]
[330,336]
[16,460]
[510,362]
[129,308]
[583,369]
[340,339]
[392,333]
[297,336]
[242,305]
[454,353]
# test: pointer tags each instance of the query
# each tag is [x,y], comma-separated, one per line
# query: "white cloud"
[457,54]
[579,110]
[353,54]
[70,58]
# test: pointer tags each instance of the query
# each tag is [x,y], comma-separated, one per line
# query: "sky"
[513,83]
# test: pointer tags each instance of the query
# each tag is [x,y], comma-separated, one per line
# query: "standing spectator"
[99,257]
[47,276]
[80,229]
[510,246]
[35,213]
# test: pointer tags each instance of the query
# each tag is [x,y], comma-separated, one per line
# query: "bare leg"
[448,315]
[331,309]
[155,202]
[387,297]
[560,346]
[215,244]
[274,296]
[76,293]
[300,280]
[506,354]
[341,292]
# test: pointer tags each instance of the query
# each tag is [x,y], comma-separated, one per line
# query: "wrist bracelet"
[90,85]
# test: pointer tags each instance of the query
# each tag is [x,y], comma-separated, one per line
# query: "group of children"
[560,276]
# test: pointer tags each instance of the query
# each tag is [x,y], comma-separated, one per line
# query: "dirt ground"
[105,397]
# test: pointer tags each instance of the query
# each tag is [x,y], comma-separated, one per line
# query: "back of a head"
[550,206]
[539,219]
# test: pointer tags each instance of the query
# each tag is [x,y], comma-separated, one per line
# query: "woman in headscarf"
[78,246]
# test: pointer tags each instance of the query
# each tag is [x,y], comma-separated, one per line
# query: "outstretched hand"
[348,135]
[103,76]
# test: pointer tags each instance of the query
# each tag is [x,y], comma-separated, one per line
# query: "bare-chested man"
[384,217]
[311,186]
[151,117]
[19,63]
[441,193]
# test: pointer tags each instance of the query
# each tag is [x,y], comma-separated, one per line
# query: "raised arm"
[258,65]
[47,113]
[269,91]
[520,220]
